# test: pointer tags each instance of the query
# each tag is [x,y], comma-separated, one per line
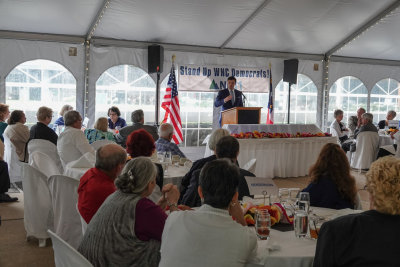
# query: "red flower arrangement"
[259,135]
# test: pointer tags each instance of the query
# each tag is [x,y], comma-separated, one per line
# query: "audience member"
[72,143]
[332,186]
[41,130]
[366,126]
[209,236]
[389,116]
[98,182]
[227,147]
[127,228]
[60,120]
[4,115]
[137,118]
[4,178]
[164,142]
[18,133]
[352,125]
[337,128]
[360,112]
[114,120]
[370,238]
[198,164]
[99,132]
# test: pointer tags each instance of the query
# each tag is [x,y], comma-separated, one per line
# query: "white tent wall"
[15,52]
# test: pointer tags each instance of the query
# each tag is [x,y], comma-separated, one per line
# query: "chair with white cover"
[367,146]
[64,195]
[83,222]
[99,143]
[46,147]
[65,255]
[11,157]
[250,166]
[38,213]
[44,163]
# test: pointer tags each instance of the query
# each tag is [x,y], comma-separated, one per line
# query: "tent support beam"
[363,28]
[97,19]
[30,36]
[247,21]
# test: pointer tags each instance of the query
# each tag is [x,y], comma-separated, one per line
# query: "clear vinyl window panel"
[348,94]
[129,88]
[385,96]
[37,83]
[303,101]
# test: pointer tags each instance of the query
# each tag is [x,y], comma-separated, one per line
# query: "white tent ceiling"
[315,27]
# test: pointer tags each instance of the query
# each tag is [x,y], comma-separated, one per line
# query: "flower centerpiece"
[260,135]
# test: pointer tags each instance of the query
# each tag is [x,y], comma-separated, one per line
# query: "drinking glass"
[300,223]
[263,224]
[283,195]
[168,157]
[315,224]
[304,201]
[293,194]
[175,159]
[161,156]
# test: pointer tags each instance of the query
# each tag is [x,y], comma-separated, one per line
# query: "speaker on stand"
[155,60]
[290,76]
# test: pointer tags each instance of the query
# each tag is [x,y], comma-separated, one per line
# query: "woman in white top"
[337,127]
[18,133]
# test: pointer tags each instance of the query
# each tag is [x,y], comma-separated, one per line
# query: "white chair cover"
[44,163]
[64,195]
[11,157]
[46,147]
[250,166]
[99,143]
[367,146]
[83,222]
[65,255]
[38,214]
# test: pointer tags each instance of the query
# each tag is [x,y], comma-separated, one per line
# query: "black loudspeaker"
[290,70]
[155,58]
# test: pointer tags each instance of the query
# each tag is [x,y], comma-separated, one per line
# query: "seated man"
[137,118]
[366,126]
[227,147]
[72,143]
[389,116]
[164,142]
[209,236]
[370,238]
[98,182]
[41,130]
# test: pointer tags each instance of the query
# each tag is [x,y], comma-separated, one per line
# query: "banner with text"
[212,78]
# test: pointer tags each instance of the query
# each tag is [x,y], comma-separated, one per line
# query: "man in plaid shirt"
[164,144]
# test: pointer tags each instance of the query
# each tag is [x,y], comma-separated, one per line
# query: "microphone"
[245,98]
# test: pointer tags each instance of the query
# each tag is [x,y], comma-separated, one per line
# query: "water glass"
[262,224]
[293,193]
[300,223]
[304,201]
[175,159]
[168,157]
[283,195]
[315,224]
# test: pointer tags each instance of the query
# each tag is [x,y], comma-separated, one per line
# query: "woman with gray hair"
[337,128]
[389,116]
[127,228]
[60,120]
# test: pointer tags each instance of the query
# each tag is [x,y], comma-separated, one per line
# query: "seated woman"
[370,238]
[141,144]
[18,133]
[99,132]
[60,120]
[127,228]
[389,116]
[209,236]
[337,128]
[114,120]
[331,185]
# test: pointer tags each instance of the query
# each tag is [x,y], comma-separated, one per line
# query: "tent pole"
[157,100]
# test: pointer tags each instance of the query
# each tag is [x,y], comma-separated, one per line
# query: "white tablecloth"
[385,140]
[272,128]
[282,157]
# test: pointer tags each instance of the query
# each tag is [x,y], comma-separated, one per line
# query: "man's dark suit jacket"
[127,130]
[222,94]
[370,238]
[42,131]
[192,198]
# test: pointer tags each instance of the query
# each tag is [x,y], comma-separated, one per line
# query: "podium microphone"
[245,98]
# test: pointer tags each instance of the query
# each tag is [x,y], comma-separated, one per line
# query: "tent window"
[385,96]
[35,83]
[303,101]
[348,94]
[129,88]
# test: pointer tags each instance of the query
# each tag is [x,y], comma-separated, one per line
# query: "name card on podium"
[393,124]
[261,186]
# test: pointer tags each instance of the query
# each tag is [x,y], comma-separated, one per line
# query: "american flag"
[172,109]
[270,115]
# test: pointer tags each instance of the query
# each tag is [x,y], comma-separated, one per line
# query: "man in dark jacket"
[41,130]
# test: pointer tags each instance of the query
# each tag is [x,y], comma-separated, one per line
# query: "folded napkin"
[87,160]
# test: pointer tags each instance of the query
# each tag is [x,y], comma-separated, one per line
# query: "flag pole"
[157,115]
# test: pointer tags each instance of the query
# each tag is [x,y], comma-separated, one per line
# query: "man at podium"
[229,98]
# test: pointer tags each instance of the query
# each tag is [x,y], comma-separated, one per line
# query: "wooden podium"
[241,115]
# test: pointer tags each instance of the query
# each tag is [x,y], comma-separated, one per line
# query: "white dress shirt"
[206,237]
[337,131]
[72,144]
